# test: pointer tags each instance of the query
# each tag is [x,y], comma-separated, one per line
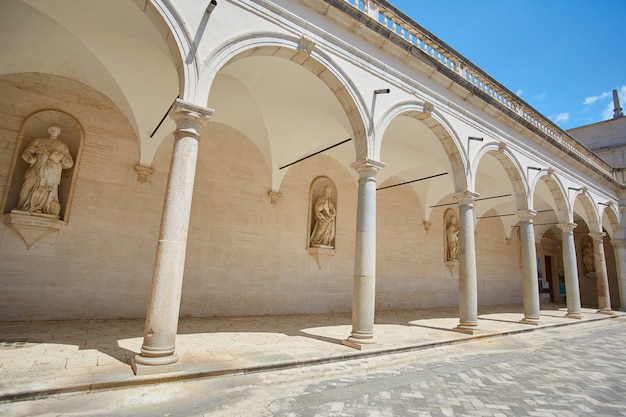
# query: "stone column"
[468,287]
[364,284]
[530,288]
[602,276]
[572,291]
[620,260]
[157,352]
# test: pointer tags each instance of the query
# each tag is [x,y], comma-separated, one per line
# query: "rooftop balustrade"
[417,36]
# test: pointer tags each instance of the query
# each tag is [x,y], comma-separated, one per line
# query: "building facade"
[252,157]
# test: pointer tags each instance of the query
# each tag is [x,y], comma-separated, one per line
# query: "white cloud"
[607,113]
[519,92]
[592,99]
[561,117]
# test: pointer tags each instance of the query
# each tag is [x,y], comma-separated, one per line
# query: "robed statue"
[47,157]
[324,230]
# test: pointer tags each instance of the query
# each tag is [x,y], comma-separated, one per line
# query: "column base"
[576,316]
[535,321]
[467,328]
[607,312]
[143,365]
[361,343]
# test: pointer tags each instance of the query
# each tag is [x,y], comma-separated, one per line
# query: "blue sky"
[563,57]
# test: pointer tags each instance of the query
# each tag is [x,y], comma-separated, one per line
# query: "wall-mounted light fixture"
[473,138]
[211,7]
[382,91]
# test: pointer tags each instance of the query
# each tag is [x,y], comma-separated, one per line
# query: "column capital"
[567,227]
[189,118]
[367,166]
[526,215]
[465,198]
[597,235]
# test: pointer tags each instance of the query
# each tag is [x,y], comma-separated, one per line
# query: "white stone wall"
[607,139]
[411,269]
[100,264]
[245,256]
[497,262]
[411,272]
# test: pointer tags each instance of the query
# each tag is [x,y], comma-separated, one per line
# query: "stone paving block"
[48,364]
[104,360]
[305,338]
[81,363]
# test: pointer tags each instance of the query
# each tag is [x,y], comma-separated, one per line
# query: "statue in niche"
[452,237]
[47,157]
[323,233]
[588,260]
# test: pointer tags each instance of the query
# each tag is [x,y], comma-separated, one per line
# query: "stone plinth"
[33,227]
[322,254]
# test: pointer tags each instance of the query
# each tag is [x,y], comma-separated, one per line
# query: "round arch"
[425,113]
[58,39]
[302,52]
[557,191]
[165,17]
[611,214]
[591,212]
[512,167]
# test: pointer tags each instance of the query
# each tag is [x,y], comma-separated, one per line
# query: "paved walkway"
[45,358]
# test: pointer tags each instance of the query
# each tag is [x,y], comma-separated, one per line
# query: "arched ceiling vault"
[547,202]
[414,151]
[501,190]
[110,45]
[287,110]
[584,207]
[610,221]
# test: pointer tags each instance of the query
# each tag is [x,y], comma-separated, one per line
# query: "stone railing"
[397,22]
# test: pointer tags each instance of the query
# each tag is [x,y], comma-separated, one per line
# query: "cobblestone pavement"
[577,370]
[52,357]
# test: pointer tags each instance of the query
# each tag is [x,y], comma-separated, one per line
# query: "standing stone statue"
[325,213]
[588,260]
[47,157]
[452,239]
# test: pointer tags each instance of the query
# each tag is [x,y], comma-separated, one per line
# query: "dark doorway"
[548,261]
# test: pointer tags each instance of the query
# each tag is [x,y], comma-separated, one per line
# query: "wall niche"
[39,192]
[451,236]
[322,224]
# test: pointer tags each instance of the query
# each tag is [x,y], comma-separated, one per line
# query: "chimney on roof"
[617,111]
